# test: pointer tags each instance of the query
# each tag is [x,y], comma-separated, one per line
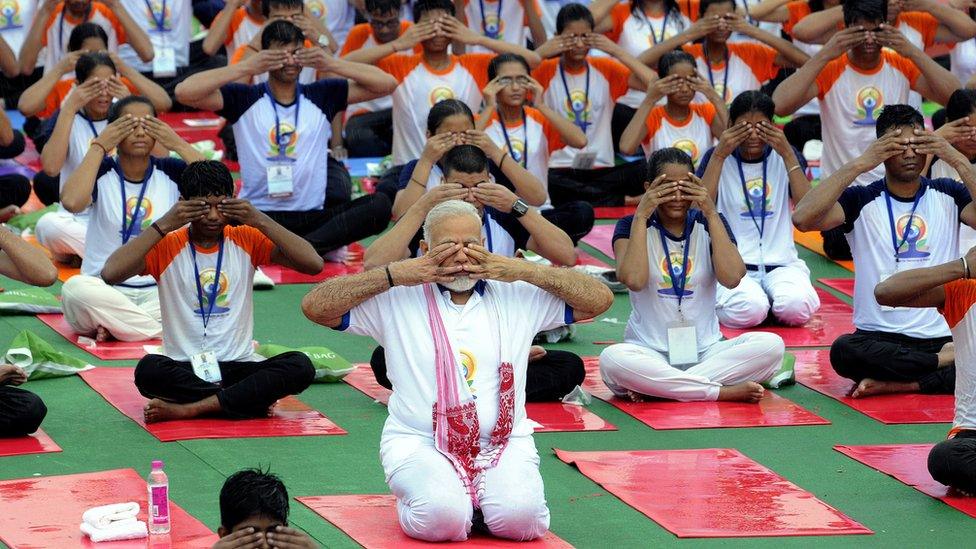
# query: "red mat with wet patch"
[371,521]
[105,350]
[772,411]
[554,417]
[352,265]
[46,511]
[834,319]
[908,464]
[814,371]
[290,417]
[38,443]
[711,493]
[842,285]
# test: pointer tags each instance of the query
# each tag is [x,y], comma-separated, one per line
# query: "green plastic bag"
[785,376]
[39,359]
[28,300]
[329,366]
[29,220]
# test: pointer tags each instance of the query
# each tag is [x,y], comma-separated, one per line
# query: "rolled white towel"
[106,515]
[124,530]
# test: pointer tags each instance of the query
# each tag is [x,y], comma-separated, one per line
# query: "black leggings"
[248,389]
[370,134]
[953,462]
[340,225]
[599,186]
[21,412]
[893,357]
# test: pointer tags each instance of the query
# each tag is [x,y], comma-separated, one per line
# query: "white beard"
[460,284]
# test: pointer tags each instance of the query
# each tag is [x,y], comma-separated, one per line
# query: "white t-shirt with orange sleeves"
[337,15]
[693,135]
[16,18]
[503,20]
[528,143]
[361,37]
[175,16]
[243,28]
[421,86]
[607,83]
[798,10]
[230,326]
[850,101]
[747,68]
[962,60]
[58,29]
[920,29]
[960,296]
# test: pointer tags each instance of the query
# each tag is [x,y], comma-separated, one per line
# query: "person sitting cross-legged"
[205,273]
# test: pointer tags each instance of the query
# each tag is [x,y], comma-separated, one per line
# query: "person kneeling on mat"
[254,513]
[949,288]
[682,249]
[471,313]
[205,273]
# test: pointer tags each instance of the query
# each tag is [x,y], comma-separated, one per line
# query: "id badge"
[584,160]
[280,184]
[164,59]
[205,366]
[682,343]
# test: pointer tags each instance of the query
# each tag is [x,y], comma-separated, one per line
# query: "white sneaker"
[338,255]
[262,281]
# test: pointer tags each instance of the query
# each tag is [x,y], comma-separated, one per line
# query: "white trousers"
[129,314]
[63,233]
[787,291]
[432,504]
[754,356]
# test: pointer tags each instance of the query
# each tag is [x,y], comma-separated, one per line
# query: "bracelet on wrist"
[155,225]
[965,266]
[417,182]
[100,146]
[389,276]
[796,167]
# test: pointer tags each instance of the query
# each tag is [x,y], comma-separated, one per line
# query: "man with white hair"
[473,314]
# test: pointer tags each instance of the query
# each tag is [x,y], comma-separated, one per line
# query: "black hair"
[816,5]
[251,491]
[672,58]
[91,61]
[670,6]
[281,32]
[464,159]
[897,115]
[961,104]
[751,101]
[867,10]
[83,32]
[423,6]
[209,178]
[573,12]
[703,5]
[668,155]
[443,109]
[501,59]
[383,6]
[266,5]
[115,111]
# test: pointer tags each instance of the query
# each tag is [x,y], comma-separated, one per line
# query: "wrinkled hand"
[114,133]
[438,145]
[890,144]
[290,538]
[183,213]
[731,139]
[657,193]
[495,196]
[238,210]
[12,375]
[245,538]
[442,193]
[427,268]
[485,265]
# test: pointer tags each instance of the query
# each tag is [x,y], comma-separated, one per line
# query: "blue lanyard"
[525,142]
[493,34]
[160,20]
[761,224]
[677,282]
[711,77]
[745,5]
[143,185]
[274,107]
[91,124]
[650,27]
[487,225]
[214,287]
[911,218]
[578,114]
[61,27]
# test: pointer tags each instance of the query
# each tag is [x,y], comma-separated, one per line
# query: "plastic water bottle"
[158,499]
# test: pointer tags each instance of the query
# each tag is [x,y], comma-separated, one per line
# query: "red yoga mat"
[583,258]
[352,265]
[907,464]
[772,411]
[613,212]
[38,443]
[290,417]
[105,350]
[46,511]
[371,521]
[554,417]
[601,238]
[834,319]
[842,285]
[814,371]
[711,493]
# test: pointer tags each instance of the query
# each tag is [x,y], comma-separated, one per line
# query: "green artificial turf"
[95,437]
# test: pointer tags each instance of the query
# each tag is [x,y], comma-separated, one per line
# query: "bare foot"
[636,397]
[947,355]
[101,334]
[631,200]
[750,391]
[157,410]
[8,212]
[871,387]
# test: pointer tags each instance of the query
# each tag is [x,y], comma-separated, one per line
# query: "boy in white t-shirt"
[205,273]
[512,21]
[895,224]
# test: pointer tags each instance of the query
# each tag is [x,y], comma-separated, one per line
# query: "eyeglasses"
[385,23]
[509,80]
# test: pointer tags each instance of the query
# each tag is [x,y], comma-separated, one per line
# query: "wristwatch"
[323,41]
[520,208]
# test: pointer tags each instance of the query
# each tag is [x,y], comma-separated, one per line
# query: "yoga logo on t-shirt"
[670,270]
[317,9]
[138,216]
[578,108]
[282,147]
[207,282]
[869,102]
[754,204]
[688,146]
[10,15]
[518,150]
[469,366]
[153,11]
[725,92]
[494,27]
[914,235]
[440,93]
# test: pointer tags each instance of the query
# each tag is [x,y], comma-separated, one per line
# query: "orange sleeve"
[616,74]
[252,241]
[54,99]
[477,65]
[132,87]
[50,21]
[903,65]
[165,251]
[694,50]
[553,140]
[830,74]
[618,15]
[925,23]
[760,58]
[960,295]
[399,65]
[690,9]
[237,56]
[544,73]
[653,122]
[704,110]
[356,38]
[798,10]
[107,14]
[235,23]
